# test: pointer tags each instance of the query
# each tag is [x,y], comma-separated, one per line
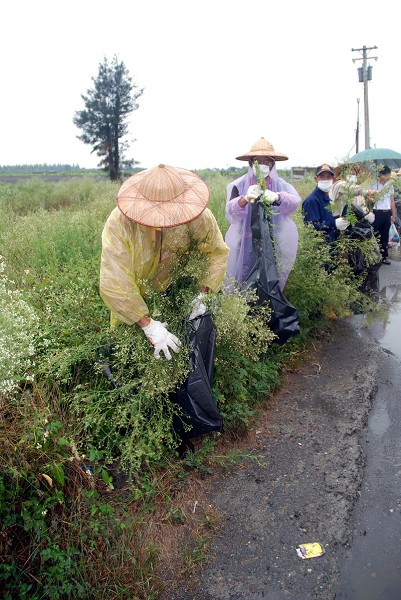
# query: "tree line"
[39,168]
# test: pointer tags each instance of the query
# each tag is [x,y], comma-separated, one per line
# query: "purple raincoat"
[283,228]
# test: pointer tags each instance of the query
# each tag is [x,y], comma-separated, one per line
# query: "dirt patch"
[298,484]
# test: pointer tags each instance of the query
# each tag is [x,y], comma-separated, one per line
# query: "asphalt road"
[326,468]
[371,568]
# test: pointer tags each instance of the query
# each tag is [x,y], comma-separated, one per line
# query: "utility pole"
[357,129]
[365,75]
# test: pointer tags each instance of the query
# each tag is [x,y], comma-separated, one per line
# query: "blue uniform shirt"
[314,211]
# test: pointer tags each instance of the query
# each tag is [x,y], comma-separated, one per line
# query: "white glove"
[161,338]
[341,223]
[253,193]
[370,218]
[198,308]
[270,196]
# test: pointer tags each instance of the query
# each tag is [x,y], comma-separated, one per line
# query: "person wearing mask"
[384,210]
[347,190]
[283,200]
[160,211]
[314,207]
[348,196]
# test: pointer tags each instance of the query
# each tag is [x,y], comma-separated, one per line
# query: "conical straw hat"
[262,148]
[345,169]
[163,196]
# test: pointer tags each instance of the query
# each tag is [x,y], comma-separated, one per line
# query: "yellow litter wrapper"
[310,550]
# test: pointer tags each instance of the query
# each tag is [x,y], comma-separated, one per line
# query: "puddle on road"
[379,421]
[386,329]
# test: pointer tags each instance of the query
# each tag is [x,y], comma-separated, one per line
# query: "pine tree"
[104,120]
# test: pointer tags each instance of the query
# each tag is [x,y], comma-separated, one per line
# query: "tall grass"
[37,194]
[217,185]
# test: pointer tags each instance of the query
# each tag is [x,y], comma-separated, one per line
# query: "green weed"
[86,466]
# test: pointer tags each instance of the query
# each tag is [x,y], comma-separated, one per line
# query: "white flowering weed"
[19,326]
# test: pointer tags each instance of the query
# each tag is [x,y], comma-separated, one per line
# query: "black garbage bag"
[263,278]
[199,409]
[362,230]
[194,396]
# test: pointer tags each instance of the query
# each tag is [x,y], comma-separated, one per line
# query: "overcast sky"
[217,75]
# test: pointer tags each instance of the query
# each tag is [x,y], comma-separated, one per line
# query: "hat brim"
[183,208]
[274,155]
[352,166]
[324,171]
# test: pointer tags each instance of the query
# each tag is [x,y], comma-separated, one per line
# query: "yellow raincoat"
[132,253]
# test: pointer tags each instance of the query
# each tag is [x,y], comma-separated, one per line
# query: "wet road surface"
[371,568]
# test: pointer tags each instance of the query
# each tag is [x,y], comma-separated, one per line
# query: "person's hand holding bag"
[198,308]
[270,196]
[253,193]
[342,224]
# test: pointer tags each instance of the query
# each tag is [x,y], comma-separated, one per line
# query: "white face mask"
[325,185]
[351,178]
[264,169]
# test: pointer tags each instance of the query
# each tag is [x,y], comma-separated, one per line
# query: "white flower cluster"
[19,326]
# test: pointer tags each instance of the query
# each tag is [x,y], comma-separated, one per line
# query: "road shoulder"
[301,485]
